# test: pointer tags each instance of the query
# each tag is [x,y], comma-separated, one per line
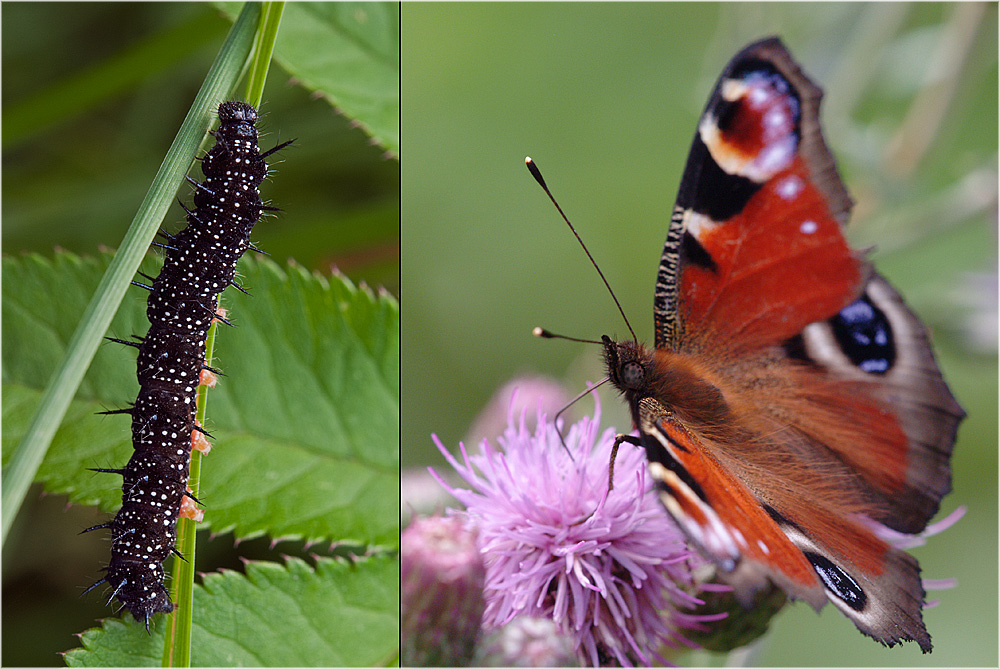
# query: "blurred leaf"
[92,86]
[348,53]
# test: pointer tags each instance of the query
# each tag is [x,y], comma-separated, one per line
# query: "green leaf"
[348,53]
[306,419]
[338,614]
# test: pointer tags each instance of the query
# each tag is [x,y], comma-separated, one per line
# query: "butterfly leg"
[619,439]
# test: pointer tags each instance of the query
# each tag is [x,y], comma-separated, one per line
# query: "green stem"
[262,50]
[229,65]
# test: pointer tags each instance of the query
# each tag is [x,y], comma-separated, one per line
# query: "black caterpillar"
[200,263]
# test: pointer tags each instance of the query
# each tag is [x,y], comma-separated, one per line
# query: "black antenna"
[555,419]
[574,401]
[545,334]
[541,182]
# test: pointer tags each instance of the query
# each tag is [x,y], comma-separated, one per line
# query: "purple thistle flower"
[527,642]
[610,569]
[905,542]
[441,602]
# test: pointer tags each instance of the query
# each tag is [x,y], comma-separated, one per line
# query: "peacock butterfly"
[792,402]
[199,263]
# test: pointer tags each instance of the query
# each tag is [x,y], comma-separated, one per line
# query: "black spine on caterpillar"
[200,263]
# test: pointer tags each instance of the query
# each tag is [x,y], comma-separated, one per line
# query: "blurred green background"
[93,94]
[605,98]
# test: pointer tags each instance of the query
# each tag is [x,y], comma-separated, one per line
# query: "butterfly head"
[628,366]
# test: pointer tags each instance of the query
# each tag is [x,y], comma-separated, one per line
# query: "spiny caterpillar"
[200,262]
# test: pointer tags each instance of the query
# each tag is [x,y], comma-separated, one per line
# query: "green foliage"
[89,111]
[292,615]
[347,53]
[306,418]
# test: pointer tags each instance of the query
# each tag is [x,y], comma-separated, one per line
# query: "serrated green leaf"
[306,419]
[347,52]
[339,614]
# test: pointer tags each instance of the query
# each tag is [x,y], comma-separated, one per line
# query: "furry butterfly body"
[791,400]
[200,263]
